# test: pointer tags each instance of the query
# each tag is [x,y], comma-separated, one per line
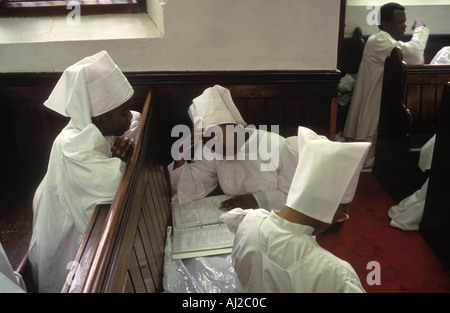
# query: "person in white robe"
[86,163]
[257,170]
[276,251]
[407,214]
[10,280]
[364,110]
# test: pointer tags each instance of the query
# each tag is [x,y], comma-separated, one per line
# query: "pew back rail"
[122,249]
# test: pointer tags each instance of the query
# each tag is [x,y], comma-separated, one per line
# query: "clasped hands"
[417,23]
[122,148]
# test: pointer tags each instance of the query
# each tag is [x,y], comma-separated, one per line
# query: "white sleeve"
[233,218]
[350,287]
[413,49]
[276,199]
[192,181]
[132,131]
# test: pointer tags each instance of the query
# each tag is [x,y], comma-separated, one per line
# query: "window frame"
[10,8]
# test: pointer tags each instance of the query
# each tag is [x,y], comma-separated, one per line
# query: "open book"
[197,230]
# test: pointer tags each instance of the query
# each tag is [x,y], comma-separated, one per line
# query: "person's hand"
[417,23]
[122,148]
[243,202]
[194,138]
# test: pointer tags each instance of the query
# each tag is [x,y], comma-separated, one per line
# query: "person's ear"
[384,25]
[97,120]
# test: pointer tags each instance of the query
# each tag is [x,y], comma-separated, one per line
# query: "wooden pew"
[122,249]
[435,224]
[408,119]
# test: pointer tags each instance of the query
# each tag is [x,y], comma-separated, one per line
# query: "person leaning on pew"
[86,163]
[276,251]
[364,110]
[254,180]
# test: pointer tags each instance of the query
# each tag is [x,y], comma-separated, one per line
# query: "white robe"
[271,254]
[81,174]
[408,213]
[197,179]
[364,110]
[10,281]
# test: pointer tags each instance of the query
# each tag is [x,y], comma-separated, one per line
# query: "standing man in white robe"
[276,251]
[364,110]
[85,166]
[258,176]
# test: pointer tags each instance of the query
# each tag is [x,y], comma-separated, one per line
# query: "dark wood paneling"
[423,98]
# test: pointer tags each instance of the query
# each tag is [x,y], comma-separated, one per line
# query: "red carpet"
[407,263]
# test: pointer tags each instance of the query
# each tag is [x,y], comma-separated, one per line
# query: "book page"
[201,241]
[203,211]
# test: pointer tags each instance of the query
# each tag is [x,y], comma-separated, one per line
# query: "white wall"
[435,14]
[192,35]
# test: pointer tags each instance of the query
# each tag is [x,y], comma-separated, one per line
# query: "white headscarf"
[91,87]
[326,175]
[442,57]
[215,107]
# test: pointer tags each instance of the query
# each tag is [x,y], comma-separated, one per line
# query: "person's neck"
[296,217]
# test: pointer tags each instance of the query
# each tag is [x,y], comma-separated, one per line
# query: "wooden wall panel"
[412,102]
[152,277]
[428,106]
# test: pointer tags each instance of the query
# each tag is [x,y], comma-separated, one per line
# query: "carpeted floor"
[407,264]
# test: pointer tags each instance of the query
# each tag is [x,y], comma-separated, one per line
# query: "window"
[22,8]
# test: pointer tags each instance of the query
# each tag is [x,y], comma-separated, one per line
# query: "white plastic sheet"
[210,274]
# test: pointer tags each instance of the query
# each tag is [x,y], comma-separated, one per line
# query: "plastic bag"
[210,274]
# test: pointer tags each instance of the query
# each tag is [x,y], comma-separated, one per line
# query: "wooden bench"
[409,108]
[435,224]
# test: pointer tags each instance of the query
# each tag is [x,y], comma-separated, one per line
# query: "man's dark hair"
[387,11]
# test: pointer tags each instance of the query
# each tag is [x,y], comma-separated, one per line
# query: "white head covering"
[326,175]
[442,57]
[215,107]
[90,87]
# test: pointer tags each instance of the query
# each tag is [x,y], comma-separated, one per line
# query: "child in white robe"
[257,174]
[276,251]
[407,214]
[86,163]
